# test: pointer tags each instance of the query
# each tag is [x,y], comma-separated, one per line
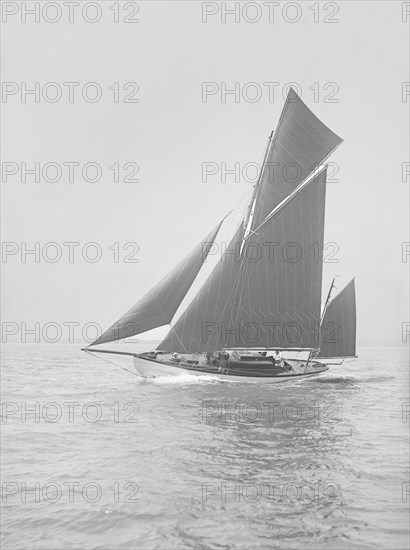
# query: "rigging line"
[236,282]
[250,193]
[200,220]
[111,363]
[245,269]
[234,289]
[253,204]
[174,320]
[284,205]
[272,141]
[242,276]
[312,176]
[147,284]
[240,273]
[181,342]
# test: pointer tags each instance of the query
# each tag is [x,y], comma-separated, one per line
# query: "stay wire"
[111,363]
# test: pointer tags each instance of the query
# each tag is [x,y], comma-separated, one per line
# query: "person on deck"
[277,359]
[223,362]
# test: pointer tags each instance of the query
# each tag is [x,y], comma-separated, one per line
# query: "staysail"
[338,327]
[158,306]
[270,294]
[212,303]
[301,143]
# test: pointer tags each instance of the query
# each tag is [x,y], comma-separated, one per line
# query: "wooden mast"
[255,187]
[328,297]
[313,355]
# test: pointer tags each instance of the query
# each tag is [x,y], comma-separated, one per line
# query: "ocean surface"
[96,458]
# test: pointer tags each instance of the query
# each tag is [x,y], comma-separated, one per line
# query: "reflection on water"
[195,463]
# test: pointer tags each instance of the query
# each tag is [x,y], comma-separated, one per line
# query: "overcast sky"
[361,61]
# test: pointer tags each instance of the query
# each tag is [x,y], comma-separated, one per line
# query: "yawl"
[257,317]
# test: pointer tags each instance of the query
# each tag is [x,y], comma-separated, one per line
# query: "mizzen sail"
[338,327]
[301,143]
[158,306]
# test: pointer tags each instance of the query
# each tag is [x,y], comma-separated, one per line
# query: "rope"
[111,363]
[176,334]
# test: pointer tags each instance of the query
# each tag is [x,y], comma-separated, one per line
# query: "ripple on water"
[313,464]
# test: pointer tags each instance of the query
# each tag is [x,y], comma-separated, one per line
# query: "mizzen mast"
[328,297]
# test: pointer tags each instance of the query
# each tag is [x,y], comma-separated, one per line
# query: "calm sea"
[95,458]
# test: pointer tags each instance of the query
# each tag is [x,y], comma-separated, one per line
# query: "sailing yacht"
[257,317]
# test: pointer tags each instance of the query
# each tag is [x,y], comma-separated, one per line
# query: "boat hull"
[148,368]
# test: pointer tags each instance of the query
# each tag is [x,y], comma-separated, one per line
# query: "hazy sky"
[172,130]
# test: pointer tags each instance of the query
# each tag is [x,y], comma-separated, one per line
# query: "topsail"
[301,143]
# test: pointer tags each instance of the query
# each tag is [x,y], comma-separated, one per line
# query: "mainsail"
[301,143]
[338,326]
[158,306]
[270,294]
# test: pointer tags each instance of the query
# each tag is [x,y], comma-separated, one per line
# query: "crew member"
[277,359]
[223,362]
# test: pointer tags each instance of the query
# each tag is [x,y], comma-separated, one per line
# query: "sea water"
[96,458]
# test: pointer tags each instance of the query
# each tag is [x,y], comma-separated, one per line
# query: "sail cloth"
[158,306]
[338,327]
[301,143]
[268,296]
[211,305]
[280,294]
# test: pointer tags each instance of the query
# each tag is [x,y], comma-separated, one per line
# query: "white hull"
[154,369]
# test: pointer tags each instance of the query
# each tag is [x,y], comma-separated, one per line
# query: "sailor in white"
[277,359]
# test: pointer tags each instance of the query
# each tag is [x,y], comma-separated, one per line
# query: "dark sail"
[265,291]
[211,305]
[301,143]
[338,327]
[270,295]
[159,305]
